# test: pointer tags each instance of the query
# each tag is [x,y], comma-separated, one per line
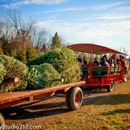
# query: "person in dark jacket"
[104,61]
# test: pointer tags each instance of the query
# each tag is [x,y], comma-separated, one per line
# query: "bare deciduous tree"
[21,30]
[13,18]
[1,25]
[124,50]
[40,40]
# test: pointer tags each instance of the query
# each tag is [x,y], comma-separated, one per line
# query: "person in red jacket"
[123,65]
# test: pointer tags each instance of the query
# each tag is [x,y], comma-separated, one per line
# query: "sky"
[102,22]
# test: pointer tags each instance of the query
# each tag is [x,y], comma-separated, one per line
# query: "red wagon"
[95,75]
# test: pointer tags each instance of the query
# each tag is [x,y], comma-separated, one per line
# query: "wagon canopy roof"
[93,48]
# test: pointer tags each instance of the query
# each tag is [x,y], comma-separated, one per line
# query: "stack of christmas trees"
[61,62]
[41,72]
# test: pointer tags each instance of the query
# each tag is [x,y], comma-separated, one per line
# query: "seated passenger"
[96,62]
[115,63]
[80,60]
[104,61]
[112,63]
[118,65]
[118,62]
[85,62]
[123,64]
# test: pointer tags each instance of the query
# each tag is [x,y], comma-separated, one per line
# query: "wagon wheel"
[74,98]
[2,121]
[110,88]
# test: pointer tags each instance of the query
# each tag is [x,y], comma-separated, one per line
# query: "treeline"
[24,40]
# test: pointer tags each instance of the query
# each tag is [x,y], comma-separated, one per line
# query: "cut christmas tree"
[15,74]
[2,72]
[42,76]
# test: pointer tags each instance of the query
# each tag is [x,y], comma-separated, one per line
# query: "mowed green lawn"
[111,113]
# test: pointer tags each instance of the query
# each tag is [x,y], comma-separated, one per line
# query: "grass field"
[111,113]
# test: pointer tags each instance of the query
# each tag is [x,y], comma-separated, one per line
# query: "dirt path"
[52,110]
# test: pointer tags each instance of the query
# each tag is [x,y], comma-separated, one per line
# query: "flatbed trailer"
[74,96]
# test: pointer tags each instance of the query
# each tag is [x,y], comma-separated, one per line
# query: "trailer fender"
[2,120]
[74,98]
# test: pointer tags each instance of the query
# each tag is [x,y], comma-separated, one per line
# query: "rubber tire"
[110,88]
[71,98]
[2,120]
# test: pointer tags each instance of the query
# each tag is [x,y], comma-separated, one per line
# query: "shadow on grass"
[32,110]
[117,111]
[107,99]
[115,99]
